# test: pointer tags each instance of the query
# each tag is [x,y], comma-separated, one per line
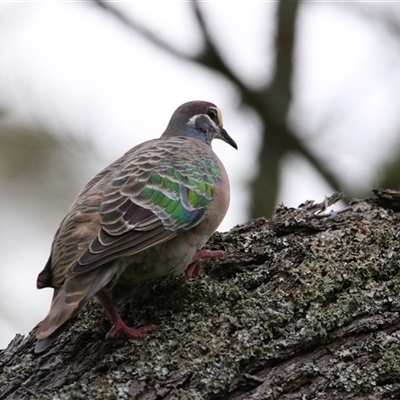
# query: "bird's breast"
[169,258]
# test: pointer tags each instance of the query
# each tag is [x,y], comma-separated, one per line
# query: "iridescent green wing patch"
[181,193]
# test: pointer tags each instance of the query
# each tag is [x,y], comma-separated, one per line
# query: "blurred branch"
[273,105]
[385,17]
[389,21]
[142,30]
[210,56]
[271,102]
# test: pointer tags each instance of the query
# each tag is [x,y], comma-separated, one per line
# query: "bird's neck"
[189,132]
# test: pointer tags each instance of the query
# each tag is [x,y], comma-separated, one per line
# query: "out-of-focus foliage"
[39,165]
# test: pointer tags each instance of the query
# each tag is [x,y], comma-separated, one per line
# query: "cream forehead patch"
[221,122]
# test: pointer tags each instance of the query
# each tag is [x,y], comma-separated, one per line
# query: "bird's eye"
[212,113]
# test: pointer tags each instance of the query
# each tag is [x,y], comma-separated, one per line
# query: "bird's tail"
[55,322]
[67,302]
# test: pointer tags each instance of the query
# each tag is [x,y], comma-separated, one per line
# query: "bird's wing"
[161,190]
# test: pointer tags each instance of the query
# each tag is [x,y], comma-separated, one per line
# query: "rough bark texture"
[304,306]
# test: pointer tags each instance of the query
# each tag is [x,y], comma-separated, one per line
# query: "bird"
[147,215]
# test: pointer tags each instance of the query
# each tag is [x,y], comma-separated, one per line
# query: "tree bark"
[303,306]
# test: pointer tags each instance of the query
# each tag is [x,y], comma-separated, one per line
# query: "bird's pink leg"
[193,269]
[119,326]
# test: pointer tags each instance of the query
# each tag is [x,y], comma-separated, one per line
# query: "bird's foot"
[120,328]
[203,253]
[193,270]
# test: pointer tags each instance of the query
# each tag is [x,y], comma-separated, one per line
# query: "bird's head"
[198,119]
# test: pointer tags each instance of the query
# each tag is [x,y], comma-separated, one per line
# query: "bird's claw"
[120,328]
[194,268]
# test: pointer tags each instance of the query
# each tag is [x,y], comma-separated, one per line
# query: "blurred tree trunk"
[304,306]
[278,95]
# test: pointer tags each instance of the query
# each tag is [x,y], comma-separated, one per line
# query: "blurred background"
[309,90]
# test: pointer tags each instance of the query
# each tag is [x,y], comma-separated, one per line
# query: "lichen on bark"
[303,306]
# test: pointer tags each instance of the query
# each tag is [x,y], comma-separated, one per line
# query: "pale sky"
[71,68]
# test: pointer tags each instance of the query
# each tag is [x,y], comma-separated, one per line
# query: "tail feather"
[67,302]
[43,344]
[59,313]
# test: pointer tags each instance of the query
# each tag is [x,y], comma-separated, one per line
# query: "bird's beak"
[223,135]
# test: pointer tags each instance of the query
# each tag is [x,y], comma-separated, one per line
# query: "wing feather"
[159,192]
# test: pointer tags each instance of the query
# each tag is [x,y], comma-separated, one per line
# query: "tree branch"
[305,305]
[143,31]
[211,57]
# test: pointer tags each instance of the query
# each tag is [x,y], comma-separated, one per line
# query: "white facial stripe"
[192,120]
